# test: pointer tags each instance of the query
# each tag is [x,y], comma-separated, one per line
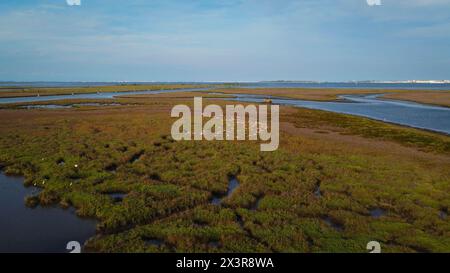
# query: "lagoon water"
[38,230]
[351,85]
[105,95]
[416,115]
[264,84]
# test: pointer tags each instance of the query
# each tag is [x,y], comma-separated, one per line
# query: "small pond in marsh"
[37,230]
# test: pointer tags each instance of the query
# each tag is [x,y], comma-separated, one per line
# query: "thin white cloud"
[73,2]
[374,2]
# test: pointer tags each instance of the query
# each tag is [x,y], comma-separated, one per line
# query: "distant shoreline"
[210,82]
[407,85]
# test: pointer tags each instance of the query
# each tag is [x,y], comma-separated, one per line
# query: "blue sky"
[224,40]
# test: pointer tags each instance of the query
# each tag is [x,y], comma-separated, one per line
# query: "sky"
[224,40]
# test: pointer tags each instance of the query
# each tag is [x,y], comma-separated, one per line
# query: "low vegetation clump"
[152,194]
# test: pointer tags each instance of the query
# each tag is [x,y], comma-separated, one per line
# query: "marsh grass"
[348,124]
[168,185]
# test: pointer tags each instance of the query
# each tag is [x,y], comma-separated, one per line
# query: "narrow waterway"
[429,117]
[100,95]
[233,183]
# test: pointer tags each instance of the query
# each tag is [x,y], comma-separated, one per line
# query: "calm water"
[106,95]
[68,106]
[352,85]
[346,85]
[85,84]
[39,230]
[417,115]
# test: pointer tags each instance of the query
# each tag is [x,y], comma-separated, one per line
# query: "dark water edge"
[37,230]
